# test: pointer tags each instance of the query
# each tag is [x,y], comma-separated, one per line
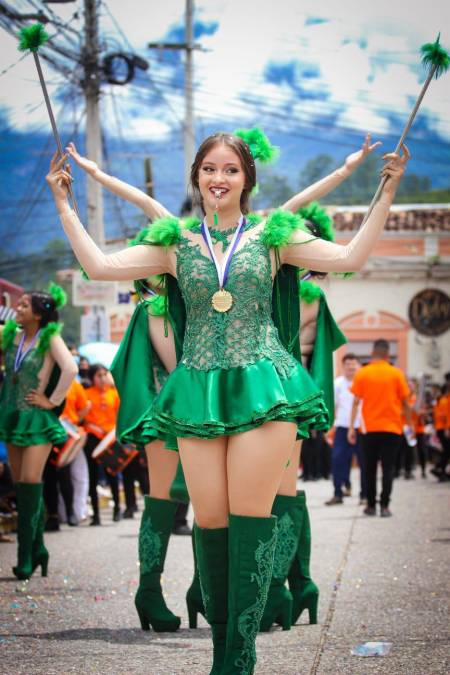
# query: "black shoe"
[128,513]
[369,511]
[52,524]
[334,500]
[72,521]
[183,529]
[116,514]
[385,513]
[95,520]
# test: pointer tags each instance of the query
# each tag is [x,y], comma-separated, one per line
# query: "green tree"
[273,190]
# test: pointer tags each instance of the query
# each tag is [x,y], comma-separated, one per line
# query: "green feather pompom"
[279,228]
[32,37]
[253,218]
[163,232]
[50,330]
[317,215]
[58,294]
[8,334]
[260,146]
[156,305]
[433,54]
[309,292]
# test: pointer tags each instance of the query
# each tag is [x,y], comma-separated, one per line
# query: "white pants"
[80,482]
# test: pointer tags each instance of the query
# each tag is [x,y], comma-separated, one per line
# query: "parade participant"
[39,370]
[319,338]
[98,421]
[441,419]
[248,397]
[384,393]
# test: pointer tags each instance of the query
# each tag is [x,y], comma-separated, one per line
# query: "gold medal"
[222,300]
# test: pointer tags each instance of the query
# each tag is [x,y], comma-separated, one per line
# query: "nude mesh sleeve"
[325,256]
[136,262]
[68,367]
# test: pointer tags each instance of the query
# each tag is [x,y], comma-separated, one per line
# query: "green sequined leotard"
[23,424]
[234,373]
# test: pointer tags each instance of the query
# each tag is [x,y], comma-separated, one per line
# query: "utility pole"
[189,46]
[148,176]
[189,131]
[91,87]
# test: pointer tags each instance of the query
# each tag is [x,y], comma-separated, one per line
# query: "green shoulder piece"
[309,292]
[8,334]
[329,337]
[322,220]
[279,227]
[50,330]
[132,370]
[162,232]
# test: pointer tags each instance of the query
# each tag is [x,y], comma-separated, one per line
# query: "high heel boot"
[212,556]
[40,554]
[304,591]
[194,600]
[29,497]
[251,551]
[156,526]
[279,602]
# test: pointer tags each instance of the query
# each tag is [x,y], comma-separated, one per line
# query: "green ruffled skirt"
[220,402]
[30,427]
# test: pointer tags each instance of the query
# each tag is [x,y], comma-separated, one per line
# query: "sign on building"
[93,293]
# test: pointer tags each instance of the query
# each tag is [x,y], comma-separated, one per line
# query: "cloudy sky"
[353,64]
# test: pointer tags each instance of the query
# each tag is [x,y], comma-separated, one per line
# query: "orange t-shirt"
[440,413]
[76,400]
[103,413]
[417,418]
[382,388]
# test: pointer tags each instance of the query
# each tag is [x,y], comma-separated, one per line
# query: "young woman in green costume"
[319,338]
[162,353]
[38,371]
[247,396]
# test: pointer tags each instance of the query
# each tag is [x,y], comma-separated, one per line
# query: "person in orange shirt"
[100,419]
[76,406]
[441,419]
[384,393]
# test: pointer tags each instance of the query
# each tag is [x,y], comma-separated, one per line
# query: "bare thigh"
[162,467]
[34,458]
[288,485]
[256,461]
[205,469]
[164,346]
[15,460]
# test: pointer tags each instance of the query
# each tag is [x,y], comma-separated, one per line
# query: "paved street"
[380,580]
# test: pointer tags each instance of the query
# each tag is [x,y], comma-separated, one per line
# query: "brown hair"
[349,357]
[241,149]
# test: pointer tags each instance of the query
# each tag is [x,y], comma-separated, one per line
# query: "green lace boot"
[40,554]
[194,600]
[251,551]
[29,496]
[279,601]
[156,526]
[304,591]
[178,489]
[212,556]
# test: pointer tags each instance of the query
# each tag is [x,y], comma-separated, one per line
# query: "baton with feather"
[31,39]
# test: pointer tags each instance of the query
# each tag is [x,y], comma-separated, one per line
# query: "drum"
[64,454]
[113,456]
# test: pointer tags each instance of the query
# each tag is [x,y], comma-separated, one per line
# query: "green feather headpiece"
[317,215]
[433,54]
[260,146]
[32,37]
[58,294]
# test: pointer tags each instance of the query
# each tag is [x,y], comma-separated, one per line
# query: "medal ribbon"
[20,355]
[222,270]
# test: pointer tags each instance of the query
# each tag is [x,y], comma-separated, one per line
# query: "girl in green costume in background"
[247,396]
[38,372]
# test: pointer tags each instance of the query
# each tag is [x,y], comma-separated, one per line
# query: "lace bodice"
[245,333]
[17,385]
